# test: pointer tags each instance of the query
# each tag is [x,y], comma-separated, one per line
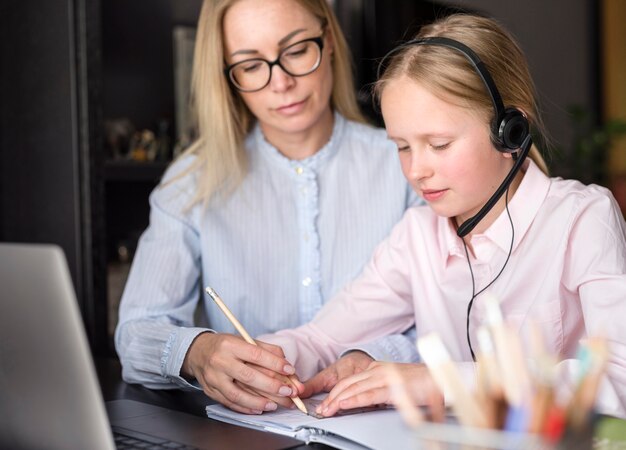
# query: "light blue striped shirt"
[284,243]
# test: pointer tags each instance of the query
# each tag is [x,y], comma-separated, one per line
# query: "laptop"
[49,392]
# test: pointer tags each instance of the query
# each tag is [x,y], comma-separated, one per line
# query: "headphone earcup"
[511,130]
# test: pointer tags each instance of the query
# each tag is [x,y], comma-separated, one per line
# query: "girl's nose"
[419,167]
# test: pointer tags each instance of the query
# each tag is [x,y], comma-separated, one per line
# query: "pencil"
[242,331]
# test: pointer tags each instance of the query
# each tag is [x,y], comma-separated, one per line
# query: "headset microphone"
[470,223]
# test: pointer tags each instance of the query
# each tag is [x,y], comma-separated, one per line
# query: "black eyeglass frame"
[228,71]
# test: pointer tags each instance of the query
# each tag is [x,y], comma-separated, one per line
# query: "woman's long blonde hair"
[448,72]
[223,120]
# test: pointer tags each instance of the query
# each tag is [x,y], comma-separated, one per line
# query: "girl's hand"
[350,364]
[371,387]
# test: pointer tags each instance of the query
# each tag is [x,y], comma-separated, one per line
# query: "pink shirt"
[567,272]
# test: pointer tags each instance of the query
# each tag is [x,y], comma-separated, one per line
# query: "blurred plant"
[587,160]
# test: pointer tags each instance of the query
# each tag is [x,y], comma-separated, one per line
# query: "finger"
[274,349]
[290,381]
[371,391]
[324,381]
[259,356]
[285,402]
[297,385]
[249,375]
[370,397]
[373,378]
[240,409]
[237,399]
[337,392]
[340,387]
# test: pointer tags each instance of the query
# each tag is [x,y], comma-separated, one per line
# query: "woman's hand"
[350,364]
[246,378]
[372,387]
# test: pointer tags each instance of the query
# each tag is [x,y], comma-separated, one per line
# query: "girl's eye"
[404,148]
[440,147]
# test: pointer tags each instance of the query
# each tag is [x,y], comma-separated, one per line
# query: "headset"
[510,131]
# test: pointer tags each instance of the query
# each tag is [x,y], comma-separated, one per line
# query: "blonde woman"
[277,205]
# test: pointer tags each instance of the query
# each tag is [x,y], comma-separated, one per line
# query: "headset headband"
[469,54]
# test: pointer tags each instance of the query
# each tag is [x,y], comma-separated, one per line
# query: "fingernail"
[256,411]
[289,369]
[284,390]
[325,410]
[270,406]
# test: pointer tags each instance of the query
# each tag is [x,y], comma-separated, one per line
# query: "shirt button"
[299,170]
[307,282]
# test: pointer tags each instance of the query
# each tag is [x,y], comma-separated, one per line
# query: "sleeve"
[596,268]
[155,327]
[376,304]
[395,348]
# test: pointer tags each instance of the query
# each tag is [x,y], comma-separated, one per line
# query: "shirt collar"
[309,165]
[523,207]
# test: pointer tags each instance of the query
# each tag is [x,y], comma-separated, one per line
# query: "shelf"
[134,171]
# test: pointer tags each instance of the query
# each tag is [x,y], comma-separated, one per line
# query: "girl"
[277,205]
[553,251]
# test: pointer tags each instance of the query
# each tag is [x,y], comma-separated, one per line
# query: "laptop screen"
[49,394]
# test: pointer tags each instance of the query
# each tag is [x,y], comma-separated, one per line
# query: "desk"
[114,388]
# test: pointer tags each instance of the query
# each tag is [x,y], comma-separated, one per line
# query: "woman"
[552,251]
[278,204]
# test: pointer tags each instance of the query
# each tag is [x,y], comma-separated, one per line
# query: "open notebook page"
[378,428]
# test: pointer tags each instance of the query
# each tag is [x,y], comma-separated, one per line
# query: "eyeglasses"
[297,60]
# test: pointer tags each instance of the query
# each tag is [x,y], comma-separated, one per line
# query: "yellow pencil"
[242,331]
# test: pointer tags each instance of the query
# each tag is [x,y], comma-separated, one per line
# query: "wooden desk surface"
[113,388]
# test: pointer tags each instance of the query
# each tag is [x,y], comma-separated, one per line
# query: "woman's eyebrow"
[283,41]
[286,39]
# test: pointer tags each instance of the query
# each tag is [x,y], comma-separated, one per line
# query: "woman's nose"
[280,80]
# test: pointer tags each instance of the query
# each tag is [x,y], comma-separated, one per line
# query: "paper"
[377,429]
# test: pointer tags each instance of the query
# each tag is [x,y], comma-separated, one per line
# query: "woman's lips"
[292,108]
[431,195]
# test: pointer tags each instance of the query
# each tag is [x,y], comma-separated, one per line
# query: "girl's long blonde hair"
[448,72]
[223,120]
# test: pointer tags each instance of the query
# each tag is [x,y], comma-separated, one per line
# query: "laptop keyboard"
[127,439]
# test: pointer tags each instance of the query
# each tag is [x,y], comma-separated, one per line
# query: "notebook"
[373,429]
[49,392]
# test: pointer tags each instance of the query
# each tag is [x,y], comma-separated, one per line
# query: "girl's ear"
[507,154]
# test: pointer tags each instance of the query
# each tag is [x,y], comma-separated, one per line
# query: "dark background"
[69,65]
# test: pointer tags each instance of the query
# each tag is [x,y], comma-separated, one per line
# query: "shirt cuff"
[396,348]
[174,354]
